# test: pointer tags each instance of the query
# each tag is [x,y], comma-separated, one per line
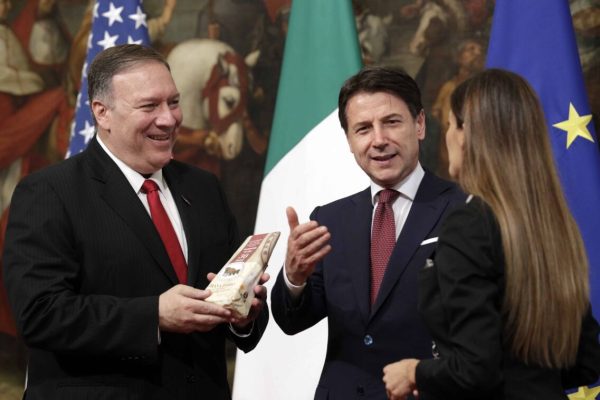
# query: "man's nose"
[167,116]
[379,135]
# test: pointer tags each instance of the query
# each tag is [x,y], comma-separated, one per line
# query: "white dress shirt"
[136,180]
[403,203]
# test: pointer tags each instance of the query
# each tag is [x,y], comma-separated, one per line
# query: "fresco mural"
[236,45]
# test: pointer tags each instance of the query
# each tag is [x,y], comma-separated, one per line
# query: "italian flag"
[308,164]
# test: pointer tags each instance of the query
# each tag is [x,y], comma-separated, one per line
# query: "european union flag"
[536,40]
[114,22]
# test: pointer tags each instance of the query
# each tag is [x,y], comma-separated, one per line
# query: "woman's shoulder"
[472,226]
[472,212]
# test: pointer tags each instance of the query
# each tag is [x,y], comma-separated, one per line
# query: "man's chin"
[154,165]
[386,180]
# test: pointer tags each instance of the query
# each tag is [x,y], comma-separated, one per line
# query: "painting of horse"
[214,82]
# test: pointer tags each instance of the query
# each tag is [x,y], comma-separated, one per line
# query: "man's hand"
[258,302]
[182,309]
[307,245]
[399,379]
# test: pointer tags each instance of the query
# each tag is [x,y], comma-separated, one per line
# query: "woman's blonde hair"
[508,163]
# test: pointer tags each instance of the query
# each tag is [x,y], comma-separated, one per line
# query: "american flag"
[114,22]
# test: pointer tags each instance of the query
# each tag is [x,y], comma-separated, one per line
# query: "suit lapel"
[118,194]
[425,212]
[357,241]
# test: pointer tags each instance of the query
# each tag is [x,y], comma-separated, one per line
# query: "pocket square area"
[430,240]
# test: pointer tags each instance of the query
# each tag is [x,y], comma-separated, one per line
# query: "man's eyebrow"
[145,99]
[394,115]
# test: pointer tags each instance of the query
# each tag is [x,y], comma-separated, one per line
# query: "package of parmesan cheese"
[233,287]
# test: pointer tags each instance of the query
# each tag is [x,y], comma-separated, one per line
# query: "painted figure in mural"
[373,35]
[229,21]
[268,37]
[34,115]
[440,24]
[469,59]
[217,86]
[45,37]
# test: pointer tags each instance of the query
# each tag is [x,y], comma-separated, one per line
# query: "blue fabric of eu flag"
[536,40]
[114,22]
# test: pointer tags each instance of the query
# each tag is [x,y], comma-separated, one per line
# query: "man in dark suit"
[108,307]
[356,261]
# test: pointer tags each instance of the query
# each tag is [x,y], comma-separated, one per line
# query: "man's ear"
[101,111]
[421,126]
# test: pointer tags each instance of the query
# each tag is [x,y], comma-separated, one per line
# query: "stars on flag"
[114,22]
[139,17]
[108,41]
[130,40]
[113,14]
[88,131]
[575,126]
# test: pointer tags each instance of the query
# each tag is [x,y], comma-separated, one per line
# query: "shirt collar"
[134,178]
[407,187]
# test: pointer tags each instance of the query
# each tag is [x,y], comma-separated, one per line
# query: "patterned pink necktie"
[165,230]
[383,238]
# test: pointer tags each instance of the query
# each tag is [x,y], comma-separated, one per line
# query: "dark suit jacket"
[84,267]
[362,340]
[460,298]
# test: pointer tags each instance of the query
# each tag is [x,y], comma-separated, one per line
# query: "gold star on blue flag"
[537,41]
[585,393]
[575,126]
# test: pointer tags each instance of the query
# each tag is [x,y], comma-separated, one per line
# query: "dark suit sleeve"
[42,272]
[587,366]
[296,315]
[248,343]
[467,272]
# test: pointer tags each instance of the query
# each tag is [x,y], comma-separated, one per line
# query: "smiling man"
[356,262]
[106,253]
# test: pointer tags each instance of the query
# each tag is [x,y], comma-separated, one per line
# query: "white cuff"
[241,335]
[295,290]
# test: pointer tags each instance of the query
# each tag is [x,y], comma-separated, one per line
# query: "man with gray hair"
[105,253]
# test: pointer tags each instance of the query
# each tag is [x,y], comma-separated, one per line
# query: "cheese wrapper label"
[233,287]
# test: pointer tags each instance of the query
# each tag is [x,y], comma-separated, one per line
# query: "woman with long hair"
[506,297]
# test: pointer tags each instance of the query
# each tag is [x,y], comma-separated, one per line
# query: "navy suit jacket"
[363,339]
[84,267]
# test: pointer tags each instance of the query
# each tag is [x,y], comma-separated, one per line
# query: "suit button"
[360,390]
[368,340]
[191,378]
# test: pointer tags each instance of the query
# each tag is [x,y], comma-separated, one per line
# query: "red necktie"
[165,229]
[383,238]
